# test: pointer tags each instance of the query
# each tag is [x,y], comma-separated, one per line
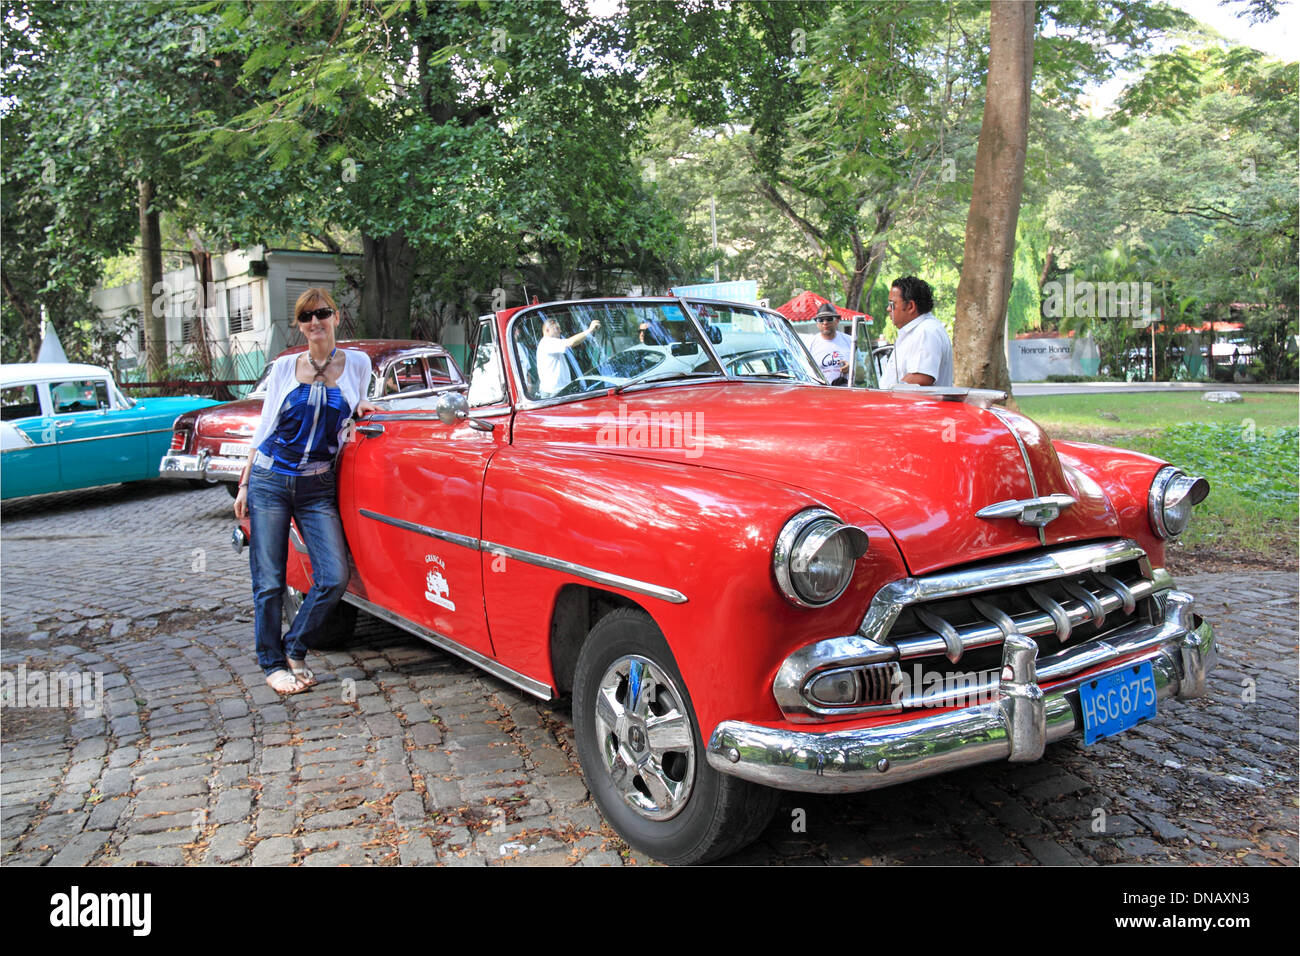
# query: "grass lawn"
[1248,451]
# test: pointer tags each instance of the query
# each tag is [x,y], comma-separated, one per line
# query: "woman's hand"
[366,408]
[241,503]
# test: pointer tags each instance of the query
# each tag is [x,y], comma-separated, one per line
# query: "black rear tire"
[663,798]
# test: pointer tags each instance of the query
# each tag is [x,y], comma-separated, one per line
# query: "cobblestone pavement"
[404,755]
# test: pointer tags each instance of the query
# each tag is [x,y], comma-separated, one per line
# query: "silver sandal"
[284,683]
[302,672]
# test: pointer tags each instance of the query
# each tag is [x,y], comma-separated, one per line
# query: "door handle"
[371,429]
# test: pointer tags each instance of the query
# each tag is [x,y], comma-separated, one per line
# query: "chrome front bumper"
[1015,726]
[203,466]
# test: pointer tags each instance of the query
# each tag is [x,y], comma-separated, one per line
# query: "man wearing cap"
[922,353]
[830,347]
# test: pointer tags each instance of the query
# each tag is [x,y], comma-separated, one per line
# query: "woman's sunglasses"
[321,314]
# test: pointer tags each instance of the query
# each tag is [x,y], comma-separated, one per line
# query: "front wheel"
[642,755]
[338,627]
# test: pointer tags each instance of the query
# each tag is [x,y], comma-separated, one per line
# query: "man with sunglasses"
[922,353]
[830,347]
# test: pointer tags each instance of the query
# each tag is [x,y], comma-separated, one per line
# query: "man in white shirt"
[922,353]
[553,356]
[830,347]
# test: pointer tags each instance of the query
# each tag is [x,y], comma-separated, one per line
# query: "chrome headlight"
[1173,494]
[814,556]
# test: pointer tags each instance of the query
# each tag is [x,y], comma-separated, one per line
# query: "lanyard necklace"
[320,369]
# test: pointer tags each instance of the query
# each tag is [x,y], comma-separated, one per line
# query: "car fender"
[705,533]
[1125,477]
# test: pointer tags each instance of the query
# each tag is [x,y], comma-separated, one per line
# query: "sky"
[1278,37]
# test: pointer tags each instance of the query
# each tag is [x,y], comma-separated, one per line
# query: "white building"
[249,309]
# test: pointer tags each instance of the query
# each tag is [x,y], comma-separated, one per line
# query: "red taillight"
[181,440]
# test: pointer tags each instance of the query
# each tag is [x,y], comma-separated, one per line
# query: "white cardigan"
[353,383]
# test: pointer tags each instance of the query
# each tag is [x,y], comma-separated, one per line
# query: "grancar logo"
[75,909]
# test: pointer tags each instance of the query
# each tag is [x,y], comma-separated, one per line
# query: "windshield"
[581,347]
[590,346]
[753,343]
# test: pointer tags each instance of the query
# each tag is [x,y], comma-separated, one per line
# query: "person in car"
[310,398]
[553,372]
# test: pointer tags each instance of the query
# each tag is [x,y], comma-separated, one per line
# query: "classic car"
[69,426]
[212,444]
[750,581]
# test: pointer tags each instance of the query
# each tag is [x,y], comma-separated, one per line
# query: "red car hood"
[923,467]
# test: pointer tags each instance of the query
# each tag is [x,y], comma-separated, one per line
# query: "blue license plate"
[1114,703]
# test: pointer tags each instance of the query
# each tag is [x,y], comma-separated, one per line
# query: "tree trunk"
[388,274]
[151,277]
[867,261]
[29,315]
[202,260]
[979,347]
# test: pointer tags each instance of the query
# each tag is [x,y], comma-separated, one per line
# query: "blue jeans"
[272,500]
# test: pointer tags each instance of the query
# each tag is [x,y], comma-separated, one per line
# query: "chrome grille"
[1055,613]
[939,638]
[945,632]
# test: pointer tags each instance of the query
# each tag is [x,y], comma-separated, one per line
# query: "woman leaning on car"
[310,397]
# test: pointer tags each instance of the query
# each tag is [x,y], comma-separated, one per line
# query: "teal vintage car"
[66,426]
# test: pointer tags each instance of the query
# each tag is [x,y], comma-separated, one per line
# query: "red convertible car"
[211,444]
[749,581]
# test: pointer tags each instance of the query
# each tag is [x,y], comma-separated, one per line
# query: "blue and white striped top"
[305,439]
[296,435]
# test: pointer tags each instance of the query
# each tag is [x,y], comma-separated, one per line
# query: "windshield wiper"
[664,377]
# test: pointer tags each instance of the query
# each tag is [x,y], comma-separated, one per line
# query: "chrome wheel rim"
[647,743]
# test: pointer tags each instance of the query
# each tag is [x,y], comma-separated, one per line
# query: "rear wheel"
[642,755]
[338,628]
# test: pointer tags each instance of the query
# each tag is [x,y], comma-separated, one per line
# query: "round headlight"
[1173,495]
[814,557]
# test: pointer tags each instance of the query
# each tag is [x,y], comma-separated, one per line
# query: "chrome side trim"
[1180,651]
[537,560]
[75,441]
[442,642]
[449,536]
[670,595]
[295,539]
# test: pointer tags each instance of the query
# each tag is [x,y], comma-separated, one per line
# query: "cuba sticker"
[436,589]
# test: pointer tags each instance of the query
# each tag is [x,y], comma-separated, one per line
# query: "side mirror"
[451,406]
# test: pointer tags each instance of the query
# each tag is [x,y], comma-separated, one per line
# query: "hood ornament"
[1032,512]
